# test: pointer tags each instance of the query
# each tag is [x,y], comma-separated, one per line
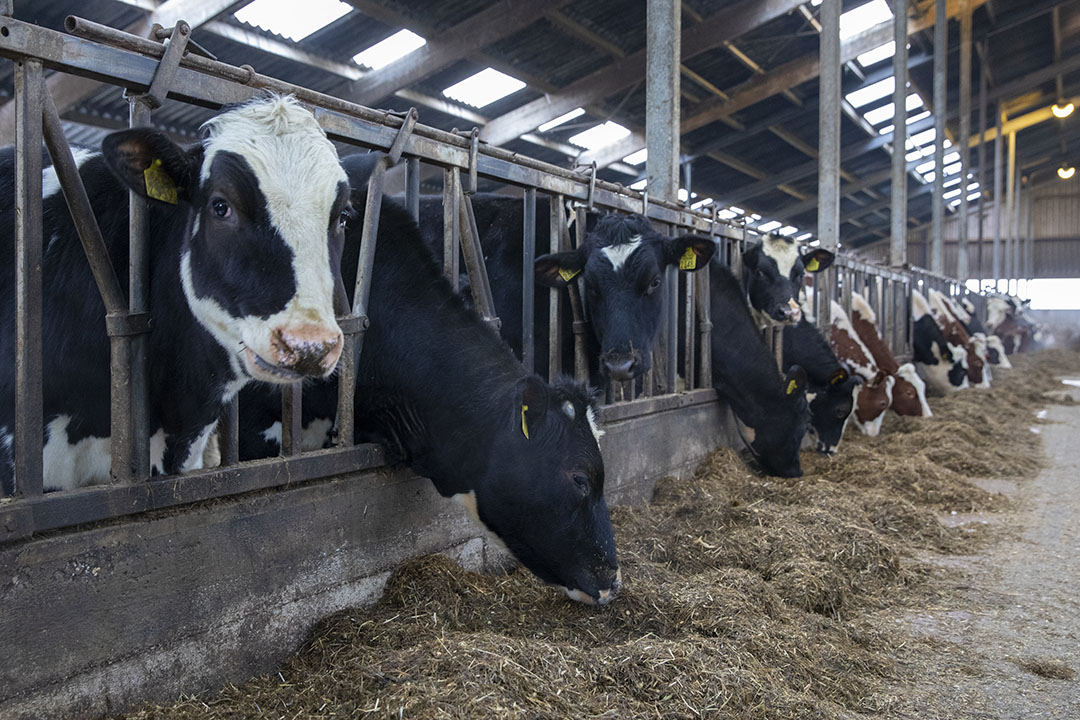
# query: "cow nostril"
[621,369]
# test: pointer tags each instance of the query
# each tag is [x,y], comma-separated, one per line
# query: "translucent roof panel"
[863,18]
[870,93]
[293,20]
[565,118]
[387,51]
[600,135]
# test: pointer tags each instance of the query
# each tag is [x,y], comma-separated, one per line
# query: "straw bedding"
[742,594]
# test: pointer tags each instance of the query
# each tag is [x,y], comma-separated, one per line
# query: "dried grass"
[741,596]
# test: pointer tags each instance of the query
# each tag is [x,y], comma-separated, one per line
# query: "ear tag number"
[159,185]
[812,265]
[524,424]
[688,261]
[791,386]
[567,276]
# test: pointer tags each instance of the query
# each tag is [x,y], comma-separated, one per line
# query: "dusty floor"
[992,643]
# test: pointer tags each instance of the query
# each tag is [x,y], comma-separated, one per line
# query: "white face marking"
[872,428]
[859,304]
[50,184]
[958,351]
[468,501]
[996,312]
[617,255]
[993,341]
[919,306]
[568,409]
[907,371]
[783,252]
[578,596]
[596,431]
[298,172]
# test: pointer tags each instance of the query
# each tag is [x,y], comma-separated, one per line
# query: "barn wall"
[95,621]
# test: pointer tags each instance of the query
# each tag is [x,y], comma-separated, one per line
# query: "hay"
[1051,669]
[742,593]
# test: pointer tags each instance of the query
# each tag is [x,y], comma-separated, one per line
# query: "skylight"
[878,54]
[387,51]
[638,157]
[870,93]
[483,88]
[802,237]
[885,112]
[787,230]
[702,203]
[769,226]
[600,135]
[640,184]
[565,118]
[293,20]
[863,18]
[726,214]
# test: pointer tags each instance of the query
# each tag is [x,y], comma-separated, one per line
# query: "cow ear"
[689,252]
[532,396]
[839,375]
[795,380]
[152,165]
[879,378]
[817,260]
[558,269]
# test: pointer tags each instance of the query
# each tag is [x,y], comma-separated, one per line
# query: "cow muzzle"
[621,366]
[788,313]
[602,597]
[297,352]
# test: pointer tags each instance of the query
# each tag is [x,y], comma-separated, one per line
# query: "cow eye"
[582,483]
[654,285]
[343,219]
[221,208]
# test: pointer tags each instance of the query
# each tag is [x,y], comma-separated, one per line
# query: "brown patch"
[872,399]
[847,349]
[1047,668]
[868,334]
[905,398]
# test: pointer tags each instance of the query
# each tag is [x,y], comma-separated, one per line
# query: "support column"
[828,220]
[962,141]
[1010,207]
[980,272]
[998,197]
[898,241]
[937,203]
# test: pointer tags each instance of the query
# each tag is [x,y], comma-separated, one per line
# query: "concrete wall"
[97,620]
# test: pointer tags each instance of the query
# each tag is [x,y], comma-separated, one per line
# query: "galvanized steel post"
[962,141]
[998,187]
[898,239]
[828,148]
[937,202]
[980,272]
[1010,208]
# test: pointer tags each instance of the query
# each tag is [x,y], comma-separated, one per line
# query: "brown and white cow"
[953,329]
[909,392]
[875,395]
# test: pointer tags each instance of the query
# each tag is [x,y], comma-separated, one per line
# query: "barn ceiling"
[749,85]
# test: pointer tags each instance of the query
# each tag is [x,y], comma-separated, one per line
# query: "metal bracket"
[353,324]
[474,150]
[403,133]
[178,37]
[714,220]
[128,324]
[645,201]
[589,200]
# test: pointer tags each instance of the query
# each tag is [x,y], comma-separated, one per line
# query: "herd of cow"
[252,230]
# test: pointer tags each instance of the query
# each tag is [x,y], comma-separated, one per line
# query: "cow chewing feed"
[953,329]
[875,395]
[831,389]
[446,397]
[239,235]
[744,373]
[909,392]
[773,273]
[941,364]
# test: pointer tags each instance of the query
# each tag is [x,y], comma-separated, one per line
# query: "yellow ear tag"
[159,185]
[688,261]
[567,276]
[812,265]
[791,386]
[524,425]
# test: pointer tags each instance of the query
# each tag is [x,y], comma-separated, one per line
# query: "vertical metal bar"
[28,229]
[998,188]
[451,212]
[829,113]
[291,419]
[412,187]
[704,312]
[963,140]
[1029,262]
[980,269]
[138,302]
[937,203]
[555,239]
[1010,208]
[229,433]
[689,325]
[581,362]
[672,323]
[662,74]
[479,284]
[528,282]
[1014,233]
[898,239]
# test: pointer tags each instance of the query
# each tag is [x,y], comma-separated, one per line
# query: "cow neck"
[804,345]
[439,378]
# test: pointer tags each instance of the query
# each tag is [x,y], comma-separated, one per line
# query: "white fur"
[273,433]
[958,310]
[996,312]
[50,184]
[978,345]
[859,304]
[617,255]
[873,427]
[919,305]
[298,173]
[908,372]
[993,341]
[312,437]
[783,251]
[841,321]
[468,501]
[596,431]
[968,306]
[68,465]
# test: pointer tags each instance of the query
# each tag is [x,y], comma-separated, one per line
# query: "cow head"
[777,440]
[264,199]
[830,409]
[909,393]
[622,262]
[995,352]
[873,400]
[543,492]
[773,273]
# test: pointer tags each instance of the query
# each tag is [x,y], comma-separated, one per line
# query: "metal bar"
[937,202]
[704,314]
[962,141]
[412,187]
[139,302]
[28,228]
[898,241]
[998,187]
[581,362]
[556,229]
[292,428]
[689,330]
[829,113]
[980,271]
[474,263]
[229,433]
[528,282]
[1010,208]
[451,243]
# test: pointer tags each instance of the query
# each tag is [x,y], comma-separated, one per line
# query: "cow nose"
[611,593]
[826,449]
[621,367]
[307,349]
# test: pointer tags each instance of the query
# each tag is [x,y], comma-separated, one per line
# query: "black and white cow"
[621,264]
[744,373]
[995,349]
[773,273]
[448,398]
[941,364]
[241,287]
[831,389]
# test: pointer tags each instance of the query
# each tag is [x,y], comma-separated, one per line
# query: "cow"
[446,397]
[940,363]
[744,373]
[621,265]
[953,329]
[909,392]
[875,394]
[831,388]
[995,350]
[1004,318]
[240,232]
[773,273]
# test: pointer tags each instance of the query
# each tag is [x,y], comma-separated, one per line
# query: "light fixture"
[1062,111]
[1066,171]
